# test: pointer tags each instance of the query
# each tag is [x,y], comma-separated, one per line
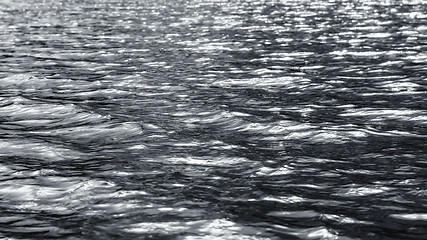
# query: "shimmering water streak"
[213,119]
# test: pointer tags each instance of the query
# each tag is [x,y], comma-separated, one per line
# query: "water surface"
[206,119]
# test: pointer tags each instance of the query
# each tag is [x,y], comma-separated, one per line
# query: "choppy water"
[213,119]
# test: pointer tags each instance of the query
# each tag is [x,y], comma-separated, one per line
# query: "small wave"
[26,114]
[320,233]
[291,130]
[284,129]
[101,133]
[410,216]
[37,118]
[361,191]
[209,161]
[284,199]
[385,113]
[58,88]
[203,229]
[267,171]
[294,214]
[25,82]
[26,148]
[53,193]
[344,220]
[290,82]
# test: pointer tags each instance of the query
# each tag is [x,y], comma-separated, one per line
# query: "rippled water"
[213,119]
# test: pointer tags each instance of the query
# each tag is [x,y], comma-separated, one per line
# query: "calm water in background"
[213,119]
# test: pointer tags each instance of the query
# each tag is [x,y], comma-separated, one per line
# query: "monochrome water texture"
[213,119]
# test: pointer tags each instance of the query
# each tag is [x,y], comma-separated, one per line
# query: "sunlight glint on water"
[209,119]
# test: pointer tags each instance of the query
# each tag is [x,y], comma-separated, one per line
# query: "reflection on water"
[209,119]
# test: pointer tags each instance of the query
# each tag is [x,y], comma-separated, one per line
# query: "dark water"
[213,119]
